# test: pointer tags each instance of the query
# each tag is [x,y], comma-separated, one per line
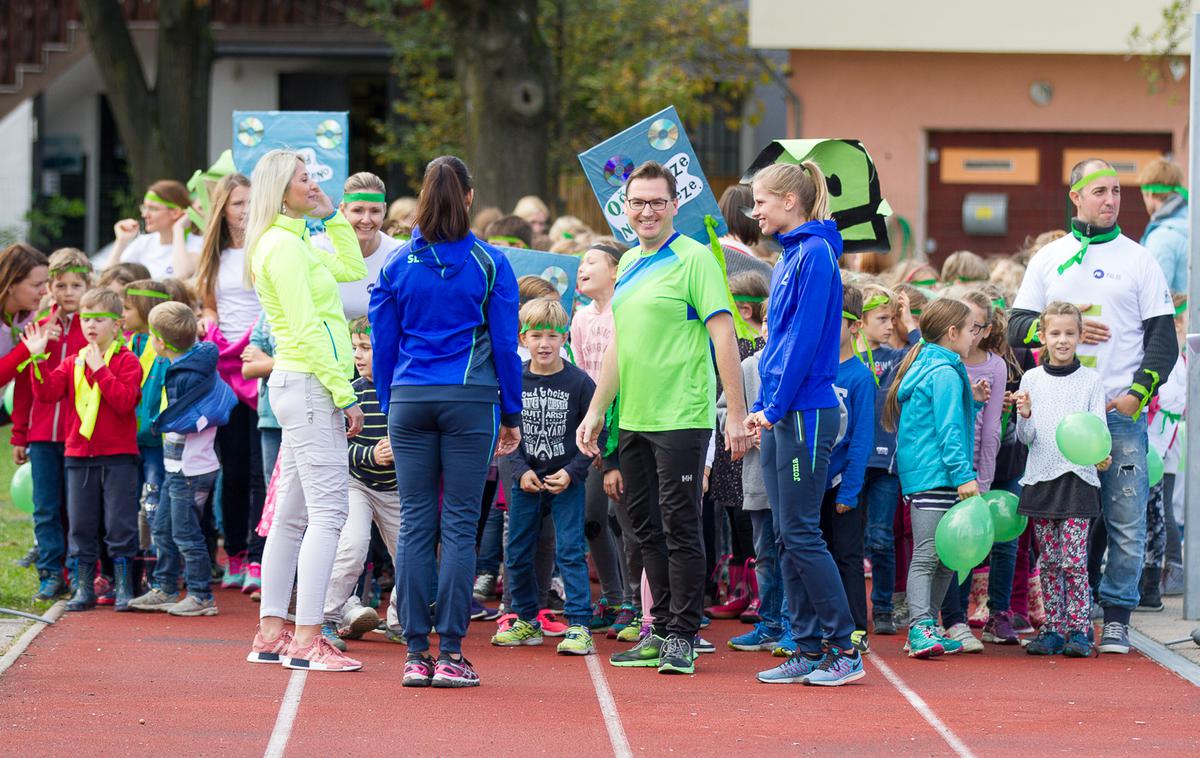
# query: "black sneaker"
[677,656]
[1115,638]
[883,623]
[29,558]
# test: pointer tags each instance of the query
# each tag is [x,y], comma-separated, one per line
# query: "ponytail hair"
[935,322]
[806,181]
[442,212]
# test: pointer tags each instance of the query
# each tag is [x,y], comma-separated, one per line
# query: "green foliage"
[1163,48]
[17,584]
[48,216]
[615,62]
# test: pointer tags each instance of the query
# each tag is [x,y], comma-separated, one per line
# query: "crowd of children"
[118,409]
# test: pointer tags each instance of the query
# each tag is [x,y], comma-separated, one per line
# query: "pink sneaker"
[235,572]
[453,674]
[505,621]
[551,626]
[418,670]
[262,651]
[318,655]
[253,580]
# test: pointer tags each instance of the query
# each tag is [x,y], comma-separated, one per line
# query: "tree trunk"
[504,68]
[164,129]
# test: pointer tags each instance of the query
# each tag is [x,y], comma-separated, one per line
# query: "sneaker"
[786,646]
[676,656]
[520,633]
[634,632]
[454,672]
[556,598]
[961,633]
[751,614]
[485,588]
[194,606]
[391,635]
[256,596]
[1078,645]
[999,629]
[358,622]
[479,612]
[1115,638]
[900,608]
[29,558]
[330,633]
[418,670]
[603,615]
[578,641]
[645,654]
[702,646]
[252,582]
[1046,643]
[551,626]
[262,651]
[154,600]
[758,638]
[950,644]
[923,640]
[1021,625]
[1172,580]
[506,621]
[859,638]
[866,568]
[705,622]
[838,667]
[235,572]
[883,623]
[318,655]
[793,670]
[106,593]
[626,615]
[51,586]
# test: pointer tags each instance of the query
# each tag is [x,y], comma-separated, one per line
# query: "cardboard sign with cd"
[555,268]
[661,138]
[320,137]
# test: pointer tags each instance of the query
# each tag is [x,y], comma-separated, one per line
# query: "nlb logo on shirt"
[1102,274]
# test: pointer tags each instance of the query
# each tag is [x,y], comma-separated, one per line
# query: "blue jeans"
[492,544]
[1004,562]
[525,514]
[155,475]
[49,497]
[795,459]
[271,440]
[766,569]
[882,495]
[179,536]
[446,444]
[1124,489]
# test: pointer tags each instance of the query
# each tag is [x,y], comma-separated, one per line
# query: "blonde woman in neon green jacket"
[312,399]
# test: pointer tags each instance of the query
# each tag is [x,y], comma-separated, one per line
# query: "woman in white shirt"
[364,204]
[164,214]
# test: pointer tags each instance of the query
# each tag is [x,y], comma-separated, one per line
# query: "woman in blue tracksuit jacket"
[797,411]
[444,334]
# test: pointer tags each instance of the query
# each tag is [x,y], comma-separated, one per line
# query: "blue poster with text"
[320,137]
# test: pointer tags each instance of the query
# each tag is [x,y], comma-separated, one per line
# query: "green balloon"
[1008,524]
[1083,439]
[964,536]
[21,489]
[1154,466]
[8,397]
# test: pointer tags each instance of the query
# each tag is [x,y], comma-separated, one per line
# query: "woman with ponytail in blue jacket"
[797,411]
[444,339]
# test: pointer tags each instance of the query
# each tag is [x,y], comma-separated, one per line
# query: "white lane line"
[608,707]
[287,715]
[920,706]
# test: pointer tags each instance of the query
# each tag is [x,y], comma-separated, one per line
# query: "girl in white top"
[166,249]
[226,297]
[364,205]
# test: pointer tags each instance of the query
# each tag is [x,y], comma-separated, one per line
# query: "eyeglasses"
[151,208]
[638,205]
[977,328]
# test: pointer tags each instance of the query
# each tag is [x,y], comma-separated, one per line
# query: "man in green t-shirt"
[671,311]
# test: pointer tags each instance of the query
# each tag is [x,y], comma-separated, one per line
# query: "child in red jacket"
[103,385]
[39,430]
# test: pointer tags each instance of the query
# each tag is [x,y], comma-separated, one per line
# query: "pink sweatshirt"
[987,422]
[591,332]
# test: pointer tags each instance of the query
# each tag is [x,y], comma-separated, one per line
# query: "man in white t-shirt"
[1129,338]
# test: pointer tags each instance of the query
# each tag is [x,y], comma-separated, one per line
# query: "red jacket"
[34,421]
[120,389]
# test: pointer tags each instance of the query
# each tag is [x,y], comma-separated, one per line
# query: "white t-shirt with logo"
[1122,282]
[148,250]
[356,295]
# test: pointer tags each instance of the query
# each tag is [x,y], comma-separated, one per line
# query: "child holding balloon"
[932,406]
[1061,489]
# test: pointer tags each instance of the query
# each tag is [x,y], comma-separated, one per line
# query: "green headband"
[149,293]
[544,328]
[850,316]
[166,344]
[875,302]
[1181,308]
[366,197]
[365,330]
[924,283]
[510,241]
[748,299]
[1085,181]
[101,314]
[70,270]
[1158,189]
[152,197]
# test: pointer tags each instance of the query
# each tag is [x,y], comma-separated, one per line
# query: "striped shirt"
[363,465]
[934,500]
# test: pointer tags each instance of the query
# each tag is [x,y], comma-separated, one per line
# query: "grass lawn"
[17,584]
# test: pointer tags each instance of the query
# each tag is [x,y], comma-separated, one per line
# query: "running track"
[90,681]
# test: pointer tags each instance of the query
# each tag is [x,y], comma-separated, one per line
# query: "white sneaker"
[962,633]
[358,622]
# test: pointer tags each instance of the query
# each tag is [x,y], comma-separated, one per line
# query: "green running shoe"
[520,633]
[642,655]
[578,641]
[677,656]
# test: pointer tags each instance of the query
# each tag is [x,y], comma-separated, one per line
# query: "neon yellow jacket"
[297,285]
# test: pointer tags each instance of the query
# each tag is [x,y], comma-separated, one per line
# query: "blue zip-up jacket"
[1166,237]
[848,461]
[804,323]
[887,360]
[935,441]
[152,386]
[444,326]
[192,369]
